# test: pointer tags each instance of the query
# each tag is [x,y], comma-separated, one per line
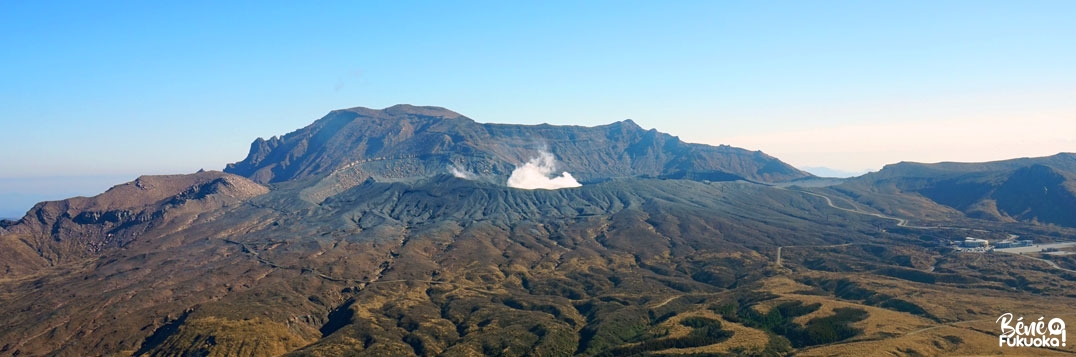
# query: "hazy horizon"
[146,88]
[19,194]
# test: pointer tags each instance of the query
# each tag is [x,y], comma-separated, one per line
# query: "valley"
[360,235]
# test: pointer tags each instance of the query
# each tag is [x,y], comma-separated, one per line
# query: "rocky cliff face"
[350,237]
[407,142]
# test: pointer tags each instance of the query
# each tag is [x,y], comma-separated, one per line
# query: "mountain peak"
[1066,155]
[426,111]
[404,142]
[628,123]
[400,110]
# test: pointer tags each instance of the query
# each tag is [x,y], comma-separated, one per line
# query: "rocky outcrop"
[408,142]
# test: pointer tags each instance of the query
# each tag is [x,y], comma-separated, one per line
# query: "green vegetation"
[908,274]
[705,332]
[829,329]
[454,267]
[846,289]
[212,336]
[778,320]
[613,326]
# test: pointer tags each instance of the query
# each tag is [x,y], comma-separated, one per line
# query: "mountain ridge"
[1041,190]
[352,237]
[71,229]
[406,142]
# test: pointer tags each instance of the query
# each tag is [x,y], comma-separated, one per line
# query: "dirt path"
[670,299]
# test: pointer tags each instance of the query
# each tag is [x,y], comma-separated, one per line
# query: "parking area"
[1038,248]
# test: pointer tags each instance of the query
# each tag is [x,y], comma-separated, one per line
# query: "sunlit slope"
[1038,190]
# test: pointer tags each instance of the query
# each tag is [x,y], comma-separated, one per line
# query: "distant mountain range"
[395,232]
[1040,190]
[828,172]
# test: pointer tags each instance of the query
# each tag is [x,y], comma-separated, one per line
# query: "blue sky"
[117,89]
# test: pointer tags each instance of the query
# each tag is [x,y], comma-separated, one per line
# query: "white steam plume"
[459,173]
[538,174]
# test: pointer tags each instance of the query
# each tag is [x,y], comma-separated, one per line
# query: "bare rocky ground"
[368,258]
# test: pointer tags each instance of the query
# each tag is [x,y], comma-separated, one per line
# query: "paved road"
[1047,261]
[901,222]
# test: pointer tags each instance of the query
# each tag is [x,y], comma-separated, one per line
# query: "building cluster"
[970,242]
[1014,244]
[979,245]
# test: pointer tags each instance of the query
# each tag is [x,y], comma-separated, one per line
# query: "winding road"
[901,222]
[1048,262]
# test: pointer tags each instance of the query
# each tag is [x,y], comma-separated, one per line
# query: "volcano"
[396,232]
